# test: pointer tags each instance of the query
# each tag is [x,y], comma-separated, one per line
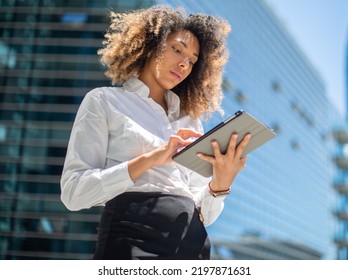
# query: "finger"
[188,141]
[186,133]
[216,149]
[175,142]
[242,145]
[206,158]
[232,144]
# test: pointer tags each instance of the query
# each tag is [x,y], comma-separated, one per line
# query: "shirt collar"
[133,84]
[173,102]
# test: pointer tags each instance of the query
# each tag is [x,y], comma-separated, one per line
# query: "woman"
[123,139]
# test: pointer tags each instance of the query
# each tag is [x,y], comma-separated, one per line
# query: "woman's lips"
[176,75]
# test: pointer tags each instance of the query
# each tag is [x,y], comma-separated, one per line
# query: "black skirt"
[138,225]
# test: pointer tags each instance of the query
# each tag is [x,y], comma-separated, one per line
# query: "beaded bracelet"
[218,193]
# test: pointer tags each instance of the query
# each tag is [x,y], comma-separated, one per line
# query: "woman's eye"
[191,62]
[176,50]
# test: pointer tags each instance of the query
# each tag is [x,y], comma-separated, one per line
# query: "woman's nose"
[184,63]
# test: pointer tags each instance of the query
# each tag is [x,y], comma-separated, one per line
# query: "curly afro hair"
[134,36]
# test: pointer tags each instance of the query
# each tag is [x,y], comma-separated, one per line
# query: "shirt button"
[200,215]
[201,218]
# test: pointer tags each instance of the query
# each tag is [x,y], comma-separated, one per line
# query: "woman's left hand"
[226,166]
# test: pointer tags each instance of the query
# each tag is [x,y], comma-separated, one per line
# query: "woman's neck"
[159,98]
[157,93]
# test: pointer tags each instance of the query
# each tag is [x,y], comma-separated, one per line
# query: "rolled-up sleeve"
[210,207]
[85,181]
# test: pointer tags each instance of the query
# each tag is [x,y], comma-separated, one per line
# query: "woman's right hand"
[162,155]
[183,138]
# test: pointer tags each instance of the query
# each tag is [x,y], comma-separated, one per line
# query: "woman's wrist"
[218,191]
[139,165]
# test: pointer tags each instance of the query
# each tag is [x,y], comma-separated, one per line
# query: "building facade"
[48,62]
[285,194]
[281,204]
[341,186]
[341,181]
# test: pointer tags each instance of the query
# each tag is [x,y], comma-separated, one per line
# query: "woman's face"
[179,56]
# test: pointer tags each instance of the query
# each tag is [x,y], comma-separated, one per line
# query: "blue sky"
[320,28]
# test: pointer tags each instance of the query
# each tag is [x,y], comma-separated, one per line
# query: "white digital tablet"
[241,123]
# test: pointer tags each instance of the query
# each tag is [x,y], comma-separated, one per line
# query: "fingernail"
[199,155]
[235,136]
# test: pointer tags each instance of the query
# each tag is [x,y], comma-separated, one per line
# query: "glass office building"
[48,62]
[281,204]
[341,182]
[341,186]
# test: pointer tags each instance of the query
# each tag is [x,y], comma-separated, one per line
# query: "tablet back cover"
[241,123]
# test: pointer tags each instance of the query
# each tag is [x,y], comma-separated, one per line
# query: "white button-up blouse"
[114,125]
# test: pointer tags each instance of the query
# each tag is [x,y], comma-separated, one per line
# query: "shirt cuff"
[208,200]
[211,207]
